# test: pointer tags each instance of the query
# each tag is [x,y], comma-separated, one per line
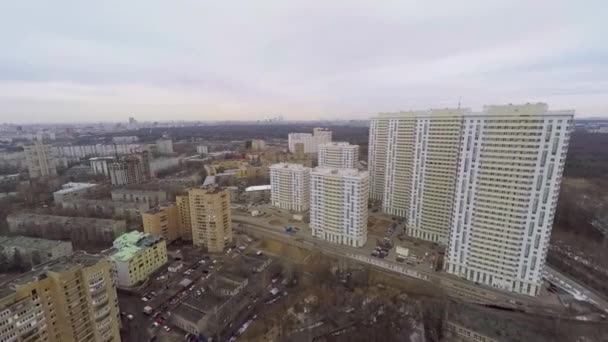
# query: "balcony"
[96,282]
[102,314]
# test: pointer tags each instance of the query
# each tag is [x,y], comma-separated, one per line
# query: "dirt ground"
[377,225]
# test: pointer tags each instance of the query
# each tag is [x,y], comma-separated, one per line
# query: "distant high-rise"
[338,205]
[290,186]
[210,218]
[310,142]
[40,160]
[130,169]
[68,299]
[486,184]
[341,155]
[164,146]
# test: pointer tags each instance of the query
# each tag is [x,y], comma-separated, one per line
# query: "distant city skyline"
[68,62]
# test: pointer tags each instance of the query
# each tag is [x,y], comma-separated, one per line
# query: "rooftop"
[258,188]
[71,187]
[128,245]
[160,207]
[78,259]
[291,166]
[30,243]
[27,218]
[338,144]
[338,172]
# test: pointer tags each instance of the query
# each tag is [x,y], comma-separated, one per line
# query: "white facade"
[509,176]
[100,150]
[164,146]
[290,185]
[338,205]
[484,183]
[309,142]
[40,160]
[99,165]
[341,155]
[202,149]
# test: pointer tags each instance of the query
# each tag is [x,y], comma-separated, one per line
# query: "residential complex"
[308,143]
[410,158]
[338,205]
[162,220]
[136,255]
[130,169]
[211,218]
[484,183]
[34,250]
[39,159]
[69,299]
[341,155]
[290,186]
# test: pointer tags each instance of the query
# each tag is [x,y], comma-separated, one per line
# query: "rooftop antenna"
[459,99]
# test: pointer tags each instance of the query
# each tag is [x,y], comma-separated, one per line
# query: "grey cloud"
[209,59]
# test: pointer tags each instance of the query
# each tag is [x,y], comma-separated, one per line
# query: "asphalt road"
[303,239]
[589,293]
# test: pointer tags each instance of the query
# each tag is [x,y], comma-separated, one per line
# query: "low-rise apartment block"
[136,255]
[78,229]
[107,208]
[34,250]
[71,190]
[151,197]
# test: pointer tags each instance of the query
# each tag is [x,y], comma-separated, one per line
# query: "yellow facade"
[183,212]
[210,217]
[162,220]
[71,299]
[137,255]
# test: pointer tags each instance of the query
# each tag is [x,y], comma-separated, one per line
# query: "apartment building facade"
[185,220]
[338,205]
[162,220]
[340,155]
[483,183]
[40,160]
[290,186]
[210,218]
[69,299]
[136,255]
[130,169]
[307,142]
[508,182]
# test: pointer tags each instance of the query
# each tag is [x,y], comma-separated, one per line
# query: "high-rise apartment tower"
[483,183]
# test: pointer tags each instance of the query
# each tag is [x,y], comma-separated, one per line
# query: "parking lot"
[146,311]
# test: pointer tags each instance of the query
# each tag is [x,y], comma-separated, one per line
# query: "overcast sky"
[63,61]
